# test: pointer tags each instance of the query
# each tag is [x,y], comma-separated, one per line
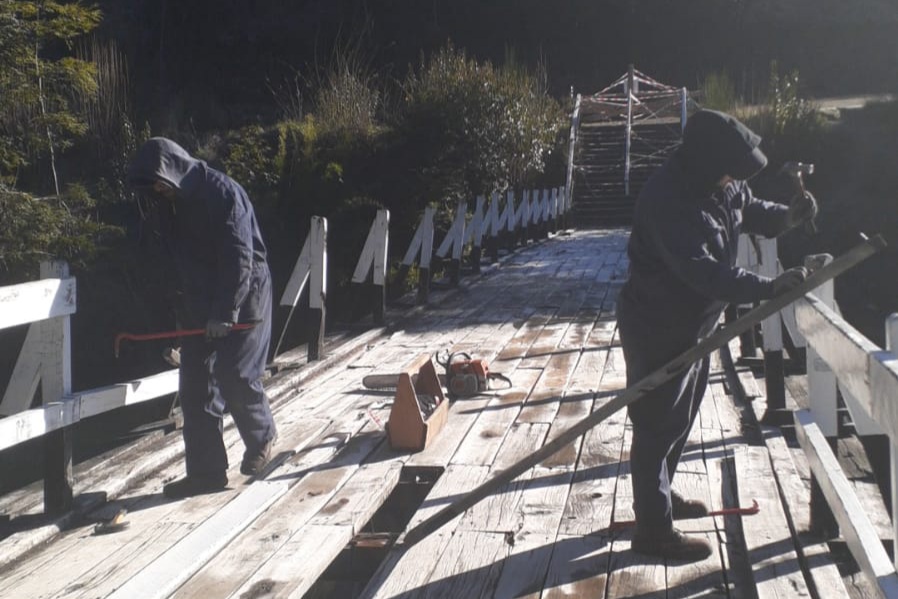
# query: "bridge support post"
[822,397]
[56,384]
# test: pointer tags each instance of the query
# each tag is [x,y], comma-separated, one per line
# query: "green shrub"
[792,127]
[476,128]
[36,229]
[718,92]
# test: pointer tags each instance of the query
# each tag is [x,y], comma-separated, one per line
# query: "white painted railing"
[45,359]
[46,305]
[840,358]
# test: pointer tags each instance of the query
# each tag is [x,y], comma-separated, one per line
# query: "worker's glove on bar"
[802,208]
[216,329]
[789,279]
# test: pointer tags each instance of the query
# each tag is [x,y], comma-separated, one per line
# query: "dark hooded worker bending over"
[208,222]
[683,273]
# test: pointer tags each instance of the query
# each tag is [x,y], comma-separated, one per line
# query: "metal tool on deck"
[727,511]
[721,337]
[115,524]
[171,334]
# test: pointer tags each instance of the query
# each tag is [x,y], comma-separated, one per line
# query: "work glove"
[216,329]
[802,208]
[789,280]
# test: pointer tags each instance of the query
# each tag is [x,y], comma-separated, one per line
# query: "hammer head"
[797,169]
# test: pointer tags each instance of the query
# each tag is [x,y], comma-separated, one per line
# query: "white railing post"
[823,407]
[422,243]
[455,240]
[821,379]
[495,225]
[510,216]
[56,385]
[572,147]
[524,217]
[474,233]
[311,265]
[892,347]
[629,131]
[684,108]
[374,260]
[555,210]
[772,331]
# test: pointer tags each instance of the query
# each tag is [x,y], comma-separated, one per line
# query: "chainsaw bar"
[389,382]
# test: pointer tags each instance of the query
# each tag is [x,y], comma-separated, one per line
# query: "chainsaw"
[467,376]
[464,376]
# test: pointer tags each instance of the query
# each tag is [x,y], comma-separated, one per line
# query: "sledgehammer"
[171,334]
[797,170]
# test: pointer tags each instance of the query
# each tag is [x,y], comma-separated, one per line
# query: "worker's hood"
[160,159]
[716,144]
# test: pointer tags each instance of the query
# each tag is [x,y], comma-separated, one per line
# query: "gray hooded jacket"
[213,232]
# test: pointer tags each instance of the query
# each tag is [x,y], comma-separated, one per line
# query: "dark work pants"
[662,418]
[225,374]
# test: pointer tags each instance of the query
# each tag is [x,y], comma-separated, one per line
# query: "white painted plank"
[98,401]
[855,526]
[37,300]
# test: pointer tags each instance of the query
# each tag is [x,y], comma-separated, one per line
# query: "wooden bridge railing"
[45,359]
[839,360]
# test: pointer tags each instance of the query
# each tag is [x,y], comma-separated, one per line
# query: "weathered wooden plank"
[37,300]
[579,567]
[859,534]
[696,579]
[775,565]
[305,557]
[465,568]
[522,439]
[233,566]
[484,439]
[407,570]
[824,574]
[572,408]
[633,574]
[543,403]
[167,573]
[361,496]
[591,501]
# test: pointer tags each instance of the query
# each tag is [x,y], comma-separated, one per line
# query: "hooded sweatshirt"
[215,238]
[685,235]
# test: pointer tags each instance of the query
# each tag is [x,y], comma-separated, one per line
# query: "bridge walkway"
[322,521]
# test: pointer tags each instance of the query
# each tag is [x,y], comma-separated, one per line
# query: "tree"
[40,81]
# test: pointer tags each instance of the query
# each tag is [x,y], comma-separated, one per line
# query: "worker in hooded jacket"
[207,221]
[683,273]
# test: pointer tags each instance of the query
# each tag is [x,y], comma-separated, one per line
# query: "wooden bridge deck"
[545,318]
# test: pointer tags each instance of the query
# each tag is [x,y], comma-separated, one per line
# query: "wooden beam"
[845,350]
[165,574]
[104,399]
[53,416]
[859,533]
[37,300]
[35,423]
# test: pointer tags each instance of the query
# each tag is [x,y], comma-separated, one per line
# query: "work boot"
[684,509]
[672,544]
[255,461]
[195,485]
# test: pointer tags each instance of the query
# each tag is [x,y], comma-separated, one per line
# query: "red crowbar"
[171,334]
[730,511]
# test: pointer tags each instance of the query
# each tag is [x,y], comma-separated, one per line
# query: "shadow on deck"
[324,520]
